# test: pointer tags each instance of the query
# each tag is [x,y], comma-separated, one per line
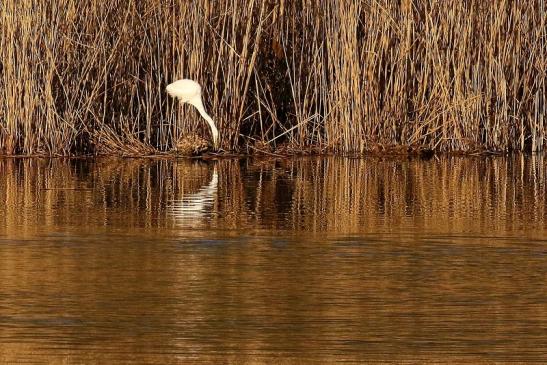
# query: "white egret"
[189,91]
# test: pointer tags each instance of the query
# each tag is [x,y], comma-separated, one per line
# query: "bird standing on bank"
[189,91]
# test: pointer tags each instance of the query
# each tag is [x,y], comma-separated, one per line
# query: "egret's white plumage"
[189,91]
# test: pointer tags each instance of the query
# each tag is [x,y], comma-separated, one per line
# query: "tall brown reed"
[84,76]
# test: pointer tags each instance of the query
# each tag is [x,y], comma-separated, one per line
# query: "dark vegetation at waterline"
[89,77]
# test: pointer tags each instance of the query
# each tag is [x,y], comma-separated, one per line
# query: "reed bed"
[88,77]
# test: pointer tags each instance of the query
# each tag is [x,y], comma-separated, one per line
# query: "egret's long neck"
[199,106]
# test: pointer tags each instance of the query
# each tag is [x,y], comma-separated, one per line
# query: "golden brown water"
[297,261]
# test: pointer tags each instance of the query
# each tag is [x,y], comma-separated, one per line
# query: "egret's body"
[189,91]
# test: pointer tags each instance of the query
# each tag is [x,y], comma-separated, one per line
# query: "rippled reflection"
[269,261]
[339,196]
[194,208]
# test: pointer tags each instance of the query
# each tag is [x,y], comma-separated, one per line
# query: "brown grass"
[88,77]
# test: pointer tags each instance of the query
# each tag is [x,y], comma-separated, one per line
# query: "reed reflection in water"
[258,261]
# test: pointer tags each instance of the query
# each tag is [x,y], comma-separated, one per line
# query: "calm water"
[281,262]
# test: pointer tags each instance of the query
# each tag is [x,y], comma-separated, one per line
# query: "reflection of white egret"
[189,91]
[192,207]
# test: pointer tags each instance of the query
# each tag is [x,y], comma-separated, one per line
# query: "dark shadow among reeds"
[88,77]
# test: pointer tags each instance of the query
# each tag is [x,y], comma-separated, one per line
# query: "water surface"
[273,261]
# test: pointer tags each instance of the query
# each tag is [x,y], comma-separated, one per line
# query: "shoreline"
[263,154]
